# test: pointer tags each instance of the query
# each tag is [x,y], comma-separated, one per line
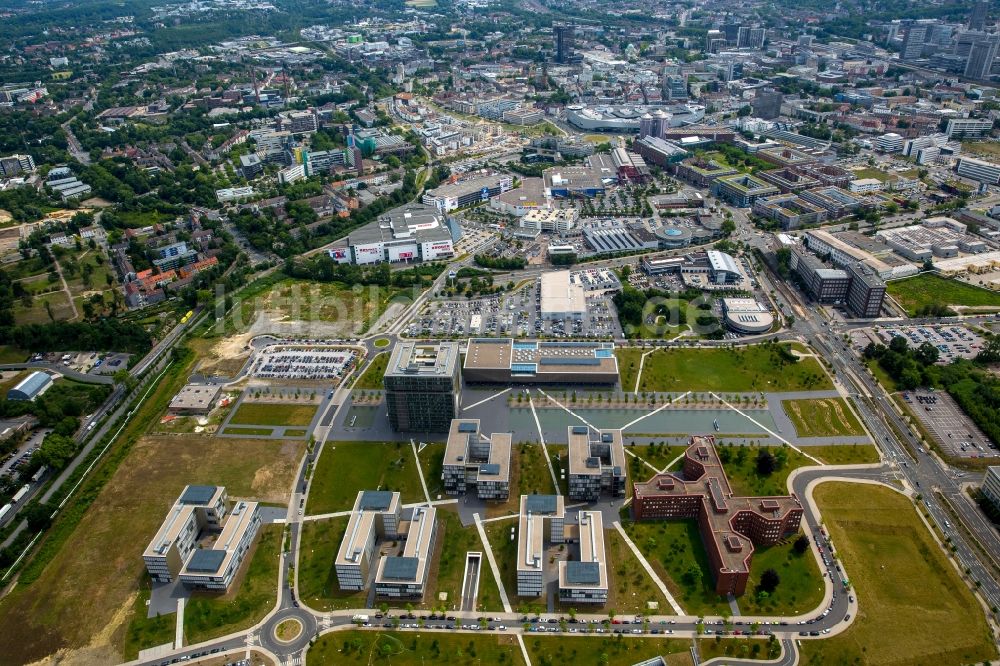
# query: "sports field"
[756,368]
[902,580]
[822,417]
[927,290]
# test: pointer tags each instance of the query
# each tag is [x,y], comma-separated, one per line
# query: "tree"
[801,544]
[56,451]
[769,581]
[39,516]
[766,463]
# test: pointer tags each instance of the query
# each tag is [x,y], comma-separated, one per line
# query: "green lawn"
[273,413]
[604,650]
[630,589]
[372,378]
[628,366]
[317,577]
[146,632]
[382,342]
[456,541]
[291,432]
[741,648]
[248,432]
[344,468]
[208,615]
[927,289]
[676,552]
[388,648]
[902,580]
[756,368]
[845,454]
[822,417]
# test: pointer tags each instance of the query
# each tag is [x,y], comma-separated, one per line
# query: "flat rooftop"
[412,565]
[540,357]
[561,295]
[465,447]
[588,456]
[591,570]
[435,359]
[195,396]
[368,507]
[215,561]
[531,529]
[720,507]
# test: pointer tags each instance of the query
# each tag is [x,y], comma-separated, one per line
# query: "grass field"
[273,413]
[248,432]
[741,648]
[822,417]
[675,551]
[100,566]
[344,468]
[456,541]
[382,342]
[372,378]
[351,310]
[902,580]
[927,289]
[756,368]
[317,577]
[983,148]
[628,366]
[290,432]
[54,306]
[10,354]
[253,593]
[421,648]
[604,650]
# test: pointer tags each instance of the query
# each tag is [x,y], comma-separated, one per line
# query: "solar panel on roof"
[541,503]
[197,495]
[375,500]
[206,561]
[579,430]
[400,568]
[583,573]
[467,427]
[551,360]
[593,462]
[606,437]
[489,469]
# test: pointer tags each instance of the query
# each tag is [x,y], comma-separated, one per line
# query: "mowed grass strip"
[605,650]
[372,377]
[273,413]
[927,289]
[248,432]
[344,468]
[419,648]
[822,417]
[456,542]
[765,367]
[628,366]
[902,580]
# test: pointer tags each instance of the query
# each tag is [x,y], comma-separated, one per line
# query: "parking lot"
[952,341]
[953,430]
[518,313]
[283,362]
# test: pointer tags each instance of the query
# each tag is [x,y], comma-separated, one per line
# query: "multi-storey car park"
[506,361]
[177,551]
[596,466]
[730,526]
[475,463]
[422,386]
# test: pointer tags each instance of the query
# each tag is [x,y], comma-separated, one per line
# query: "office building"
[404,576]
[564,36]
[968,128]
[991,485]
[982,54]
[476,463]
[558,221]
[913,41]
[766,104]
[789,210]
[730,526]
[199,542]
[596,466]
[750,38]
[584,580]
[410,233]
[703,173]
[979,14]
[31,387]
[980,170]
[506,361]
[746,316]
[866,291]
[675,86]
[823,284]
[655,150]
[889,143]
[743,189]
[535,512]
[195,399]
[837,201]
[422,386]
[375,516]
[469,191]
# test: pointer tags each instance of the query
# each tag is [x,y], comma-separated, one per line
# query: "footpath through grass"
[822,417]
[919,293]
[902,581]
[766,367]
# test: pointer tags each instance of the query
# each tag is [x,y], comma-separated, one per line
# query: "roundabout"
[288,630]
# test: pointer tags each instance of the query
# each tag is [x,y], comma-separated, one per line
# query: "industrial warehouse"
[504,360]
[410,233]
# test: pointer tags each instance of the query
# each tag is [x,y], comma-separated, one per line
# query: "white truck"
[360,618]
